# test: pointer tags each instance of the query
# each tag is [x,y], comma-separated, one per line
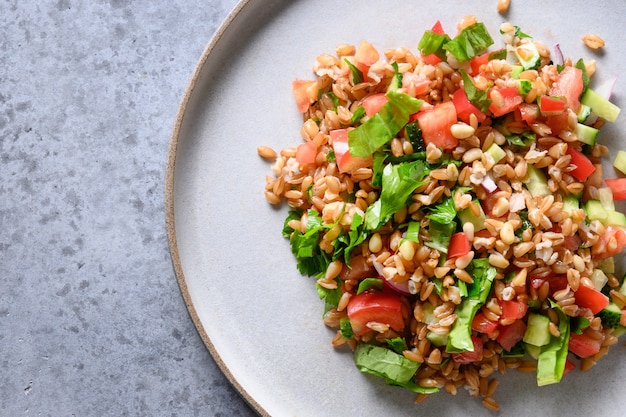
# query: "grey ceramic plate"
[258,317]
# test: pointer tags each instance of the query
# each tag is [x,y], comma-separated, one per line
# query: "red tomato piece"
[583,346]
[591,298]
[431,59]
[529,112]
[618,187]
[372,104]
[569,367]
[305,93]
[558,122]
[438,28]
[510,100]
[459,245]
[385,308]
[345,161]
[415,85]
[513,309]
[465,108]
[551,105]
[510,335]
[436,123]
[569,85]
[557,282]
[584,167]
[482,324]
[478,61]
[306,153]
[602,249]
[470,357]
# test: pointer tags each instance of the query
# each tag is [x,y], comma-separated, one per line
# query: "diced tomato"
[306,153]
[478,61]
[557,282]
[482,324]
[602,249]
[510,335]
[551,105]
[511,100]
[618,187]
[431,59]
[584,167]
[372,104]
[366,54]
[569,85]
[513,309]
[415,85]
[583,346]
[345,161]
[305,93]
[569,367]
[438,28]
[470,357]
[436,124]
[465,108]
[529,112]
[558,122]
[385,308]
[459,245]
[591,298]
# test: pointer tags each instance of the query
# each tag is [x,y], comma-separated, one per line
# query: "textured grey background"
[91,319]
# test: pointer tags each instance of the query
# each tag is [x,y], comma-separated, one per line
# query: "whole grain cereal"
[450,204]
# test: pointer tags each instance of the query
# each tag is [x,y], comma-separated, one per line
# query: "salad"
[451,205]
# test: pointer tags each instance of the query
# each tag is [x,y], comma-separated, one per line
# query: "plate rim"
[170,215]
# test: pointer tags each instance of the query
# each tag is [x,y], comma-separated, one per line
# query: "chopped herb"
[357,115]
[369,283]
[523,139]
[580,64]
[444,212]
[479,98]
[413,134]
[470,42]
[398,344]
[346,328]
[357,74]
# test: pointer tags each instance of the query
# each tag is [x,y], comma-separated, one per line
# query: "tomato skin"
[511,101]
[558,122]
[551,105]
[436,123]
[345,161]
[478,61]
[569,367]
[482,324]
[438,28]
[510,335]
[459,245]
[305,93]
[415,85]
[465,108]
[529,113]
[372,104]
[470,357]
[513,309]
[306,153]
[618,187]
[570,86]
[584,167]
[583,346]
[591,298]
[431,59]
[368,307]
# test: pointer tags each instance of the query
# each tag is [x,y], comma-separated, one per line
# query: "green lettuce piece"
[440,234]
[470,42]
[369,283]
[398,344]
[551,360]
[398,182]
[384,125]
[357,74]
[444,212]
[432,43]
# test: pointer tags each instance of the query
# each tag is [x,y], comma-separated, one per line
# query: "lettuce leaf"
[470,42]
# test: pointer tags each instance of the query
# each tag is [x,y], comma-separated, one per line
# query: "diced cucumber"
[496,152]
[620,161]
[599,279]
[586,134]
[538,330]
[536,182]
[528,55]
[595,211]
[616,218]
[524,87]
[516,70]
[619,331]
[570,203]
[533,351]
[437,339]
[467,216]
[600,106]
[583,113]
[606,198]
[610,315]
[607,265]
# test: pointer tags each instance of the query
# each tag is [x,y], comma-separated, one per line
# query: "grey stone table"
[91,319]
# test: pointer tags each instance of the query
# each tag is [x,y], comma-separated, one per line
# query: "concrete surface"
[91,318]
